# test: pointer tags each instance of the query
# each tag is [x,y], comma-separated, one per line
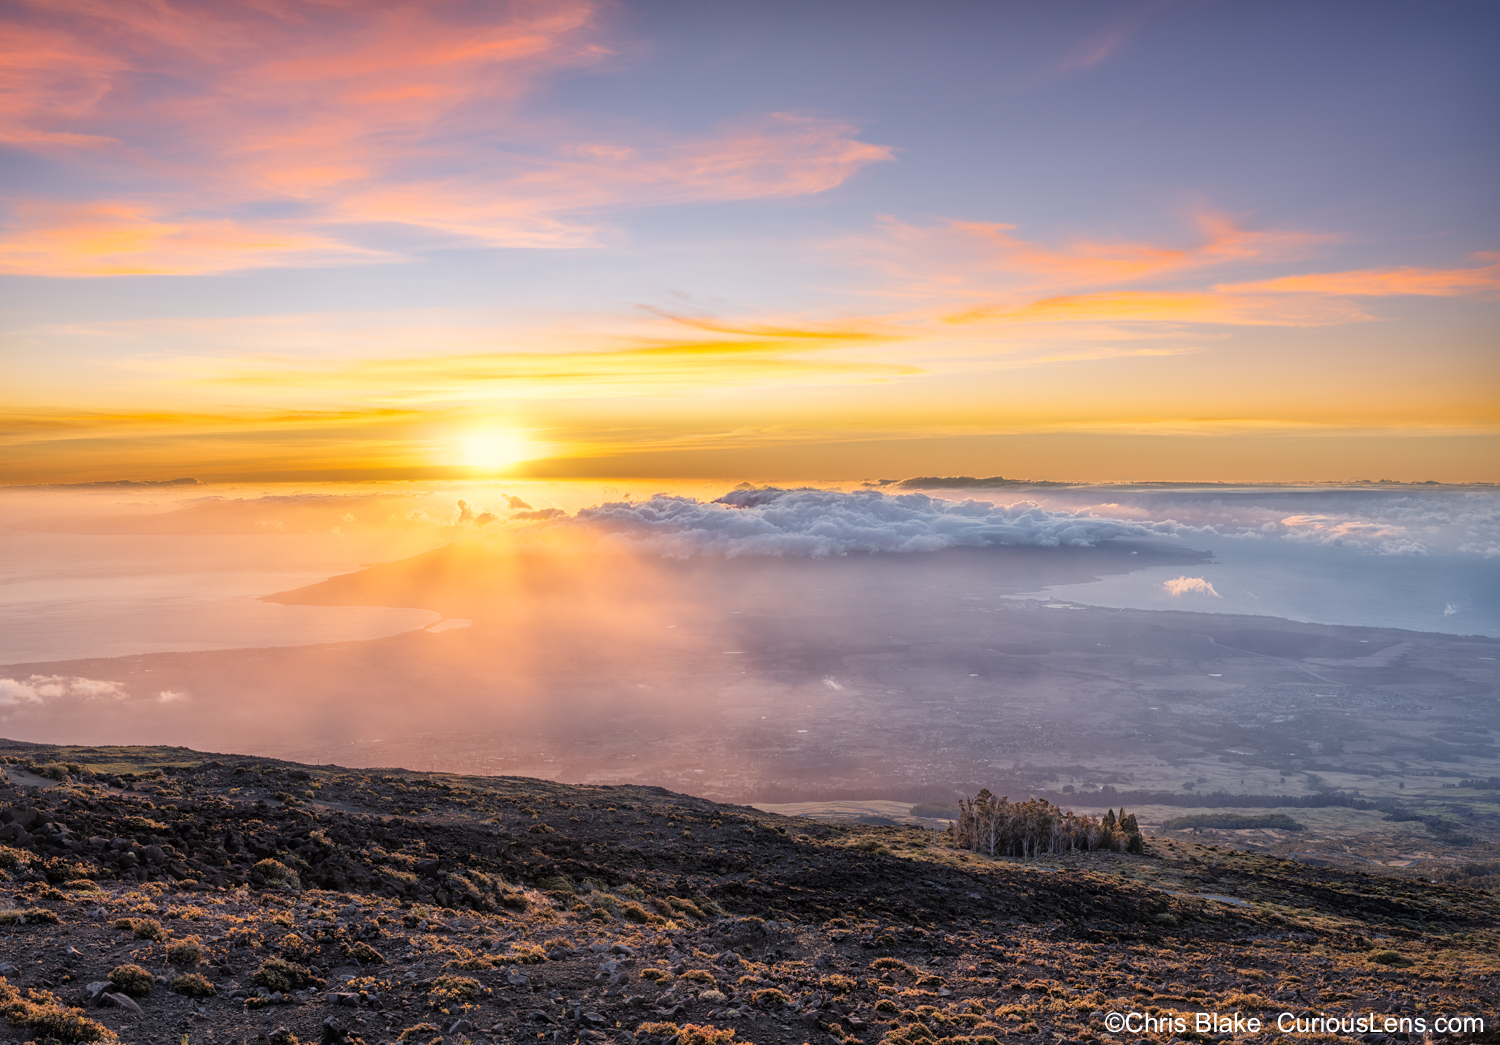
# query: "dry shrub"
[696,1034]
[1246,1000]
[48,1019]
[278,974]
[365,954]
[523,953]
[193,985]
[185,953]
[687,907]
[142,928]
[910,1034]
[277,874]
[30,915]
[447,989]
[60,1024]
[132,980]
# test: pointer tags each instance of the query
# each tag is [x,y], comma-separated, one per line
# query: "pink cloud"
[1104,42]
[410,111]
[983,258]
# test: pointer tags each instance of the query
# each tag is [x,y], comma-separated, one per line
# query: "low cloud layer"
[815,522]
[37,689]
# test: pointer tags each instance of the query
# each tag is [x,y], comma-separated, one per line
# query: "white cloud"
[814,522]
[1190,586]
[1449,610]
[34,689]
[167,696]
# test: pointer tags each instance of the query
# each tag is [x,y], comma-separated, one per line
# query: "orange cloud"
[983,273]
[124,238]
[1127,306]
[361,111]
[1379,283]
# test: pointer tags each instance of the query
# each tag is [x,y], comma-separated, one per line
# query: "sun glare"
[494,451]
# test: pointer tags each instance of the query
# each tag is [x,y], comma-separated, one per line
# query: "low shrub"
[29,916]
[52,1021]
[278,974]
[523,953]
[770,998]
[132,980]
[365,954]
[834,983]
[634,912]
[695,1034]
[700,976]
[277,874]
[1395,958]
[142,928]
[185,954]
[687,907]
[193,985]
[419,1029]
[446,989]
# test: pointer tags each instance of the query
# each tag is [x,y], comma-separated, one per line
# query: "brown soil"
[506,909]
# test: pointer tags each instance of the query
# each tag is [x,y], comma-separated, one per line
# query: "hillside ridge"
[504,908]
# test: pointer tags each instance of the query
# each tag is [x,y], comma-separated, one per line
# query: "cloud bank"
[37,689]
[813,522]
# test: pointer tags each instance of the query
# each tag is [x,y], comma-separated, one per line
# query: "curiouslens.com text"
[1288,1023]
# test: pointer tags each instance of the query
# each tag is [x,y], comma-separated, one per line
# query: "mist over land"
[806,645]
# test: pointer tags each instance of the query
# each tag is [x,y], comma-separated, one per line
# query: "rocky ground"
[156,895]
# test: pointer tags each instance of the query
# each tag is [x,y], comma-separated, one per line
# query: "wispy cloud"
[979,273]
[1106,41]
[128,238]
[1430,282]
[347,114]
[978,259]
[684,365]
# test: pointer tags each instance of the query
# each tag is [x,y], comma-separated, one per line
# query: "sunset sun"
[494,451]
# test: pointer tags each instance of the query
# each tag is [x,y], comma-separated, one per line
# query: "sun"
[495,451]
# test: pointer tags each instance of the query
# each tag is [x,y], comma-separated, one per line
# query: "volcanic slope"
[161,894]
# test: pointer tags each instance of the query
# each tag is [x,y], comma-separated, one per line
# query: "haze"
[772,644]
[840,402]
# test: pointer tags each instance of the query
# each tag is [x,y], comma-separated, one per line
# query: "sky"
[331,239]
